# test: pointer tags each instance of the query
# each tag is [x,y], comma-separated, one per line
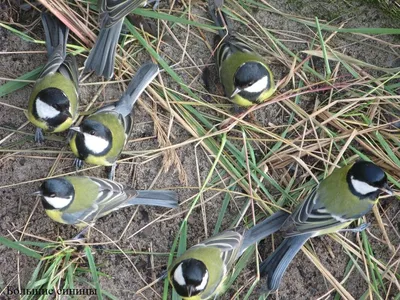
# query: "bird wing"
[112,11]
[311,216]
[111,196]
[229,242]
[54,62]
[69,69]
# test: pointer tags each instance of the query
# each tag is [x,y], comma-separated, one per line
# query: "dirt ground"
[19,209]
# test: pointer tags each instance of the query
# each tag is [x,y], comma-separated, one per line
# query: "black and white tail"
[143,77]
[276,264]
[155,198]
[56,34]
[264,229]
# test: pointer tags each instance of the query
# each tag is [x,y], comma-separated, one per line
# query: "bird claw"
[156,3]
[78,163]
[39,137]
[111,173]
[360,228]
[81,235]
[70,134]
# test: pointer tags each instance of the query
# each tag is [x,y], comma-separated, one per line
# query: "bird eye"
[92,132]
[52,195]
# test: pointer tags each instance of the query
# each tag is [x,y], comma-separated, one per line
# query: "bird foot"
[360,228]
[78,163]
[156,3]
[111,173]
[81,235]
[39,137]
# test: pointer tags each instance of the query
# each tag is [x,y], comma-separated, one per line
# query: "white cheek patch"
[45,111]
[362,187]
[58,202]
[203,284]
[178,276]
[258,86]
[95,144]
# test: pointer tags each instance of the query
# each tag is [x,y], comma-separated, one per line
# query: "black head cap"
[59,188]
[364,176]
[54,97]
[57,100]
[96,129]
[249,73]
[190,277]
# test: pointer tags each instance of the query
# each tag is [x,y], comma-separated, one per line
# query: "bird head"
[57,193]
[52,105]
[366,179]
[96,137]
[251,78]
[190,277]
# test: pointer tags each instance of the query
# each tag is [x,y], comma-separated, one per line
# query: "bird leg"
[39,137]
[78,163]
[360,228]
[111,173]
[156,3]
[81,235]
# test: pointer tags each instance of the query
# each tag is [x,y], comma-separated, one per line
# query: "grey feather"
[101,58]
[69,69]
[143,77]
[276,264]
[56,43]
[56,33]
[155,198]
[218,16]
[263,229]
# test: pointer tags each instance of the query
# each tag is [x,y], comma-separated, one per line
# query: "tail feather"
[101,58]
[264,229]
[155,198]
[218,16]
[275,266]
[56,34]
[143,77]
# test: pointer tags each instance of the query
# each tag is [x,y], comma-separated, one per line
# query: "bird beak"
[67,113]
[76,128]
[387,190]
[191,290]
[37,193]
[236,91]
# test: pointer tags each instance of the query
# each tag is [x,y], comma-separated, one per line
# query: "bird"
[53,103]
[81,200]
[101,58]
[203,271]
[244,74]
[344,196]
[101,136]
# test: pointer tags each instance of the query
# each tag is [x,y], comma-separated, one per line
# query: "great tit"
[203,271]
[101,58]
[244,74]
[81,200]
[53,103]
[344,196]
[101,137]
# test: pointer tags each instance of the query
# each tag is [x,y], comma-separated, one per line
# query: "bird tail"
[276,264]
[143,77]
[101,58]
[218,16]
[56,34]
[155,198]
[263,229]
